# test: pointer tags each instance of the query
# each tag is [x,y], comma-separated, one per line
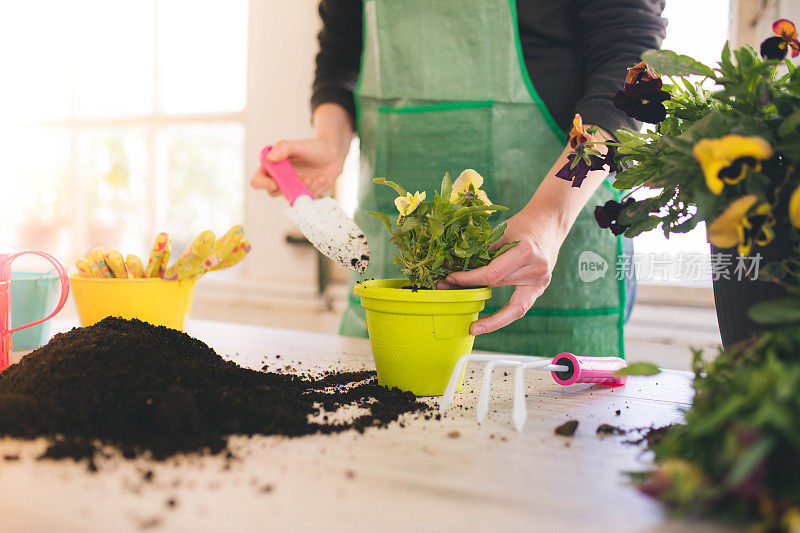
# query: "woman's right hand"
[318,163]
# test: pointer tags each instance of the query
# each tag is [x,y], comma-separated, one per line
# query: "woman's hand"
[540,227]
[528,266]
[318,161]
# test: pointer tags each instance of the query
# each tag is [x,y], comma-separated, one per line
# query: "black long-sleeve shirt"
[576,51]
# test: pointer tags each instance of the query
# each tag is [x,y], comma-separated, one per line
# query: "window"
[123,118]
[698,29]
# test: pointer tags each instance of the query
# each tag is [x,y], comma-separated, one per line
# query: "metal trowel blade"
[331,231]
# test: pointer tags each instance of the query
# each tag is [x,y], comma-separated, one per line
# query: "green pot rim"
[391,289]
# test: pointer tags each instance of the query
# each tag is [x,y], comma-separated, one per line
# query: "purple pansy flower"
[643,101]
[578,173]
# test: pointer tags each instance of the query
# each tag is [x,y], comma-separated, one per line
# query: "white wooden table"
[417,478]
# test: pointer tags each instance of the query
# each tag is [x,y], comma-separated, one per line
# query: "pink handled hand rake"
[565,368]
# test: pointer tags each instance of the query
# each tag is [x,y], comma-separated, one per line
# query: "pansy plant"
[724,149]
[719,136]
[449,233]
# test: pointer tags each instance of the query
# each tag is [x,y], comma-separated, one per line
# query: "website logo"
[591,266]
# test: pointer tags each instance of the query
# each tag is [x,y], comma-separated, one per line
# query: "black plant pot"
[733,297]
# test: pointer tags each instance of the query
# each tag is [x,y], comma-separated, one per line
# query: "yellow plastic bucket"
[417,336]
[157,301]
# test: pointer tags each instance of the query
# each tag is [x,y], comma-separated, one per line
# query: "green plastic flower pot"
[417,336]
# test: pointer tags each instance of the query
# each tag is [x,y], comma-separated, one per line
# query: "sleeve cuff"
[605,115]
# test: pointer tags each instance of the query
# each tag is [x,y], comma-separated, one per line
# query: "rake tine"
[483,399]
[450,390]
[519,409]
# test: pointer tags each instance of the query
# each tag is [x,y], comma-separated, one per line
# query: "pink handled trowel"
[321,220]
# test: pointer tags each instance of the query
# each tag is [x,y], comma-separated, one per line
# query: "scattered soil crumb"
[350,474]
[652,436]
[266,489]
[608,429]
[618,412]
[172,503]
[454,434]
[150,523]
[567,429]
[11,457]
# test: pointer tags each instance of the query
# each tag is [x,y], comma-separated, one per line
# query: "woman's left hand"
[528,266]
[540,227]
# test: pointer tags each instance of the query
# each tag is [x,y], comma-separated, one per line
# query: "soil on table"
[567,429]
[142,388]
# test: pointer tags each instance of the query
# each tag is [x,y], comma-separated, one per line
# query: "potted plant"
[730,156]
[725,150]
[417,333]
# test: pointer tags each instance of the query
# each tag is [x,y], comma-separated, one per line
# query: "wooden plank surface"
[421,477]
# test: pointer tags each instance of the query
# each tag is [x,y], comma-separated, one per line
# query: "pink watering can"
[5,302]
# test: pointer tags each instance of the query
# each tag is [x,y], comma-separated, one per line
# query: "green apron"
[444,87]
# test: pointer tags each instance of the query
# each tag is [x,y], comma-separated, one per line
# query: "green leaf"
[507,246]
[464,211]
[747,461]
[473,232]
[447,187]
[460,252]
[383,181]
[783,311]
[638,369]
[642,226]
[409,223]
[436,228]
[714,124]
[667,62]
[789,124]
[726,53]
[496,233]
[383,218]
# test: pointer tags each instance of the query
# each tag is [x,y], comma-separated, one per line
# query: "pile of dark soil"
[142,388]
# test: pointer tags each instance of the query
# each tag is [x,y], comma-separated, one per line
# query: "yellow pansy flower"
[467,189]
[794,208]
[408,203]
[791,519]
[726,160]
[734,227]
